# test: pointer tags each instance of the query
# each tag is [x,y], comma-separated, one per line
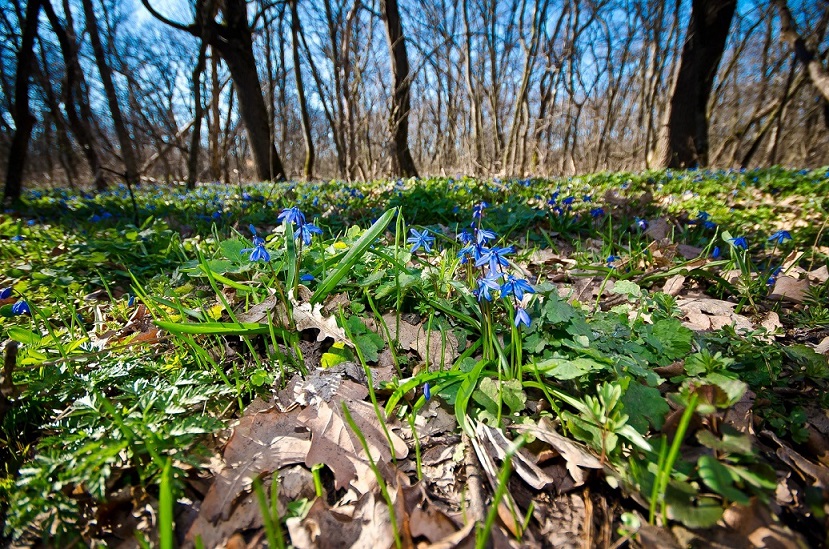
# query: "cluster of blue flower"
[304,232]
[490,260]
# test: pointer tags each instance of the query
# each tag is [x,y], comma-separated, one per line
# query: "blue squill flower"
[465,237]
[740,242]
[258,253]
[780,236]
[420,239]
[5,293]
[522,317]
[494,257]
[21,308]
[306,231]
[478,209]
[427,391]
[641,223]
[307,278]
[485,235]
[486,285]
[257,240]
[568,201]
[517,287]
[715,253]
[292,215]
[596,213]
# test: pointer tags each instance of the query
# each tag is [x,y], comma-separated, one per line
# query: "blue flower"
[703,216]
[131,301]
[258,253]
[5,293]
[710,225]
[420,239]
[521,317]
[257,240]
[641,223]
[427,391]
[715,253]
[780,236]
[307,278]
[595,213]
[465,237]
[517,287]
[486,285]
[740,242]
[484,235]
[587,198]
[21,308]
[568,201]
[292,215]
[306,230]
[478,209]
[495,257]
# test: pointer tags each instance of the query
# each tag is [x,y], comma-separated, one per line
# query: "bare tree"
[818,73]
[305,117]
[685,143]
[232,38]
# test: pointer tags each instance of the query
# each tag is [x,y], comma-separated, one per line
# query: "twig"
[474,483]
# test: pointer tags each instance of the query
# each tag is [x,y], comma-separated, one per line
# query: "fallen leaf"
[261,443]
[819,276]
[658,229]
[674,285]
[334,444]
[576,456]
[719,313]
[790,289]
[688,252]
[259,312]
[796,461]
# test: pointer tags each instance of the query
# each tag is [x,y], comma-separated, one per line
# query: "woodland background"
[229,90]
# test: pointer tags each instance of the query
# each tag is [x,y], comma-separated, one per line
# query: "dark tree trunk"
[401,158]
[198,114]
[74,98]
[305,117]
[23,119]
[232,38]
[818,73]
[685,142]
[124,140]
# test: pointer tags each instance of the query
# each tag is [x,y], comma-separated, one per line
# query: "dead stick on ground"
[474,484]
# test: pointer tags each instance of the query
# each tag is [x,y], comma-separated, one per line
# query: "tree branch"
[191,28]
[788,30]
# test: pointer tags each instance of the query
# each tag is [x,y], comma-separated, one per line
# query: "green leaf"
[627,288]
[487,395]
[352,257]
[337,354]
[232,249]
[670,338]
[718,477]
[556,310]
[22,335]
[467,387]
[734,389]
[644,405]
[732,441]
[215,328]
[564,368]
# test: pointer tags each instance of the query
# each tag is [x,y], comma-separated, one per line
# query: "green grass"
[100,401]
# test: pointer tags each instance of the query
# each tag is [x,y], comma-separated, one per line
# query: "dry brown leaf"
[522,463]
[658,229]
[334,444]
[719,313]
[562,520]
[790,289]
[688,252]
[674,285]
[823,347]
[261,443]
[772,322]
[820,275]
[259,312]
[439,349]
[577,457]
[793,459]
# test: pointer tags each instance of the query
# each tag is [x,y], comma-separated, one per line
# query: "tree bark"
[198,114]
[305,117]
[818,73]
[232,38]
[74,98]
[685,140]
[23,119]
[401,158]
[124,139]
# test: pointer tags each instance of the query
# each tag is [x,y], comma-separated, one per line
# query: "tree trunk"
[788,31]
[124,140]
[305,117]
[74,99]
[685,141]
[232,38]
[23,119]
[402,162]
[198,114]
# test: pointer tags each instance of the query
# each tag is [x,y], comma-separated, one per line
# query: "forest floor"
[603,361]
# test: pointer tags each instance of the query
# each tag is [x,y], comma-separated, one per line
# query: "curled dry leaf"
[706,314]
[577,457]
[674,285]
